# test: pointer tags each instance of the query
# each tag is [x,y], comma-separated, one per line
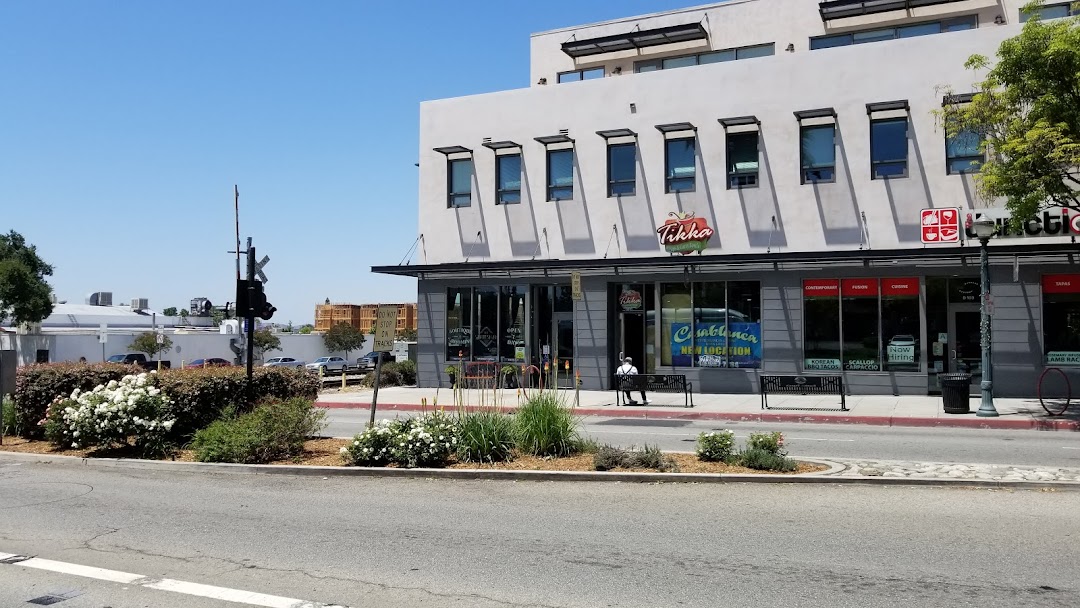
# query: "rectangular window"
[717,57]
[647,66]
[485,345]
[512,323]
[873,36]
[680,164]
[1053,11]
[508,179]
[679,62]
[828,42]
[922,29]
[713,324]
[751,52]
[1061,319]
[458,324]
[817,153]
[744,324]
[963,152]
[622,169]
[666,63]
[560,175]
[676,316]
[821,325]
[888,148]
[859,314]
[576,75]
[901,324]
[742,160]
[459,182]
[957,24]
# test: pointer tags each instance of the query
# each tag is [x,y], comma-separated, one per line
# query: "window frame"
[654,65]
[551,187]
[499,190]
[668,177]
[581,74]
[611,182]
[874,164]
[1070,11]
[946,26]
[804,169]
[733,172]
[980,157]
[452,196]
[695,313]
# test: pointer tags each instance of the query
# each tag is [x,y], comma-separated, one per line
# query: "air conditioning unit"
[140,303]
[198,306]
[100,298]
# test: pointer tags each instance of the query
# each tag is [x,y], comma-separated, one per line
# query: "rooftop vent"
[140,304]
[100,298]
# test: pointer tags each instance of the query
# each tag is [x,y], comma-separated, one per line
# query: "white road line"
[238,596]
[817,439]
[1068,448]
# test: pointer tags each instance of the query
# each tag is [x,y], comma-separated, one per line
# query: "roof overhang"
[840,9]
[635,40]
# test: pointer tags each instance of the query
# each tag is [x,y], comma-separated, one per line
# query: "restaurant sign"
[684,234]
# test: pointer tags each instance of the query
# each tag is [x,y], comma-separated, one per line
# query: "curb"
[560,476]
[766,416]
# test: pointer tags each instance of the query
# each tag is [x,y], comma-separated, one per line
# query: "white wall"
[808,217]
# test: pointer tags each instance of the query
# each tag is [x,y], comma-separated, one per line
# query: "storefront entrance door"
[632,338]
[965,350]
[563,330]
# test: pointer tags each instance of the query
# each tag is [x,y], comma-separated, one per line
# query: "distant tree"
[265,341]
[170,311]
[306,329]
[1027,112]
[343,337]
[217,315]
[146,342]
[288,329]
[184,314]
[25,296]
[407,335]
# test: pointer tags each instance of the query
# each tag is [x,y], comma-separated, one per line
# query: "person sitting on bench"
[628,369]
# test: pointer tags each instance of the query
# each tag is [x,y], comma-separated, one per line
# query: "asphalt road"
[394,543]
[1036,448]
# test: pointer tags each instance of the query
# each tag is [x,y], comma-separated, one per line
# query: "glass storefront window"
[486,324]
[1061,319]
[710,323]
[821,324]
[724,329]
[859,310]
[900,324]
[512,323]
[458,324]
[744,324]
[676,315]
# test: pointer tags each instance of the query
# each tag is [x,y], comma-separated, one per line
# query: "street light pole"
[984,229]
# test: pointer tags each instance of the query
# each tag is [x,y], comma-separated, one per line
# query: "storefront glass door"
[965,349]
[563,330]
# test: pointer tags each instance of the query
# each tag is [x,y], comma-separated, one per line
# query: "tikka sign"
[684,233]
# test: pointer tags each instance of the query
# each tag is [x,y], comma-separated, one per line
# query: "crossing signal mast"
[250,303]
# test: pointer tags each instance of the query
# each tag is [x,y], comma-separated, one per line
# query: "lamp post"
[984,229]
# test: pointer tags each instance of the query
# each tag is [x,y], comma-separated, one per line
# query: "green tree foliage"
[170,311]
[343,337]
[265,340]
[146,342]
[306,329]
[407,335]
[25,297]
[1027,109]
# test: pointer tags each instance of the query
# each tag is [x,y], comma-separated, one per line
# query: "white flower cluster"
[412,442]
[110,413]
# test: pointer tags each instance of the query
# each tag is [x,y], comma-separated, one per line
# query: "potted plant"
[452,371]
[509,376]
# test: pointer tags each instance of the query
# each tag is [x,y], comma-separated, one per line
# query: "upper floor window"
[1053,11]
[560,174]
[507,179]
[577,75]
[888,148]
[680,164]
[622,169]
[817,153]
[963,152]
[459,186]
[742,159]
[746,52]
[968,22]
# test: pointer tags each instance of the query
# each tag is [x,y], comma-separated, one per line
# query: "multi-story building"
[755,186]
[361,316]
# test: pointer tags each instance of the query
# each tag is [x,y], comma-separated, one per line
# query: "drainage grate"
[46,600]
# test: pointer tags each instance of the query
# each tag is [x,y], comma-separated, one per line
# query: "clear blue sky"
[124,125]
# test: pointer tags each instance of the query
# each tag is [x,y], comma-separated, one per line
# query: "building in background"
[362,316]
[753,186]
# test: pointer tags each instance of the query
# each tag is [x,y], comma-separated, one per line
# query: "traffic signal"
[258,305]
[241,299]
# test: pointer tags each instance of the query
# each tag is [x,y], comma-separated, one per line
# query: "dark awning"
[500,145]
[839,9]
[635,40]
[802,115]
[608,134]
[739,121]
[957,98]
[675,127]
[561,138]
[887,106]
[448,150]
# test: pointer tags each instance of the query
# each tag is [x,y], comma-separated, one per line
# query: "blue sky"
[124,125]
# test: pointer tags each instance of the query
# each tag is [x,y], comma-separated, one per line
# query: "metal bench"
[802,385]
[654,383]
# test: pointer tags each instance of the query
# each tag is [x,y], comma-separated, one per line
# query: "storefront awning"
[634,40]
[873,258]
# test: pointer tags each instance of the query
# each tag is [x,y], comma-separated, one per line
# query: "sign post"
[385,324]
[102,338]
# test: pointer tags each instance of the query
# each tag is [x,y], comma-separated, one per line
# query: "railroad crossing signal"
[259,268]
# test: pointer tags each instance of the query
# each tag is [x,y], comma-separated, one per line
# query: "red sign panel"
[900,287]
[1061,283]
[941,225]
[684,234]
[854,288]
[820,288]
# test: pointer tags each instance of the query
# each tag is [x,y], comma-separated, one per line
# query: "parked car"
[138,359]
[329,364]
[283,362]
[370,360]
[211,362]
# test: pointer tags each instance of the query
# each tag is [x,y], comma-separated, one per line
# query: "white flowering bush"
[716,447]
[111,415]
[423,441]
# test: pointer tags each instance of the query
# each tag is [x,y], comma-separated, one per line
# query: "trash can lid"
[956,376]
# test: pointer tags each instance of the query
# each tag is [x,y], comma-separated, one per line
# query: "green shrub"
[609,457]
[770,442]
[38,385]
[389,375]
[650,457]
[273,431]
[543,426]
[406,371]
[485,436]
[423,441]
[7,422]
[716,447]
[374,447]
[586,445]
[763,460]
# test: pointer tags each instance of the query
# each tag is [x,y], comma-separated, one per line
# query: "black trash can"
[956,393]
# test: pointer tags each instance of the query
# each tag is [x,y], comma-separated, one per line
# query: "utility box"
[7,372]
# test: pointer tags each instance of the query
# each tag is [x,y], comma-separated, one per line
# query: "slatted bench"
[653,383]
[802,385]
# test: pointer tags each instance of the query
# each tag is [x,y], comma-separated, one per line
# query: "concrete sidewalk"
[881,410]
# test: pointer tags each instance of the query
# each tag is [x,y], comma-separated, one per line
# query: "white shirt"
[626,369]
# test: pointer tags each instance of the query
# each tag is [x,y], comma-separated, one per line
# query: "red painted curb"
[1042,424]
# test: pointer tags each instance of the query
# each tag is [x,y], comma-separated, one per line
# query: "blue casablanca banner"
[741,340]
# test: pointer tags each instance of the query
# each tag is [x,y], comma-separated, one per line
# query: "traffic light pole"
[249,318]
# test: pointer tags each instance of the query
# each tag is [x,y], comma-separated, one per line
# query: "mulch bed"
[326,452]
